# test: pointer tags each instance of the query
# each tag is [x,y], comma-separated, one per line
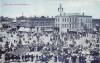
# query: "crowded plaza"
[48,47]
[65,38]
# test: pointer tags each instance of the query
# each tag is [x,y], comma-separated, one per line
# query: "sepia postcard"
[49,31]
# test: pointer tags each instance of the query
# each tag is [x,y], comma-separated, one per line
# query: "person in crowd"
[73,57]
[82,59]
[32,58]
[23,58]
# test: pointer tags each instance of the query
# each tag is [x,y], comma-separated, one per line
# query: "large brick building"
[73,21]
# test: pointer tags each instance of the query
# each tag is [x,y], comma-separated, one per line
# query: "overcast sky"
[15,8]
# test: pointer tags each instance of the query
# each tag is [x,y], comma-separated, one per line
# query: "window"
[58,19]
[70,19]
[65,25]
[62,25]
[73,19]
[65,19]
[58,25]
[70,26]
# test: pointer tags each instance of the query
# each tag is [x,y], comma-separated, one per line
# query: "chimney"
[83,14]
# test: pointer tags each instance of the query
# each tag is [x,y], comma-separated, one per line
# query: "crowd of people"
[49,47]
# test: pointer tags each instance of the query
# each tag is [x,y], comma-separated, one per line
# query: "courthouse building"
[72,21]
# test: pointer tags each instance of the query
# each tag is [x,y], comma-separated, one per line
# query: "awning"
[24,29]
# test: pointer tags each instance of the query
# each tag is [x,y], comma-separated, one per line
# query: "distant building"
[41,24]
[96,23]
[5,21]
[72,22]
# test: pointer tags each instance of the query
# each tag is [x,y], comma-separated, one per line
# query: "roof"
[35,18]
[73,14]
[96,20]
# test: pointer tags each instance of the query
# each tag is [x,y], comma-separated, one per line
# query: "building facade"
[40,24]
[72,21]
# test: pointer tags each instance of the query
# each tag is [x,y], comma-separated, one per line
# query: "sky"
[14,8]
